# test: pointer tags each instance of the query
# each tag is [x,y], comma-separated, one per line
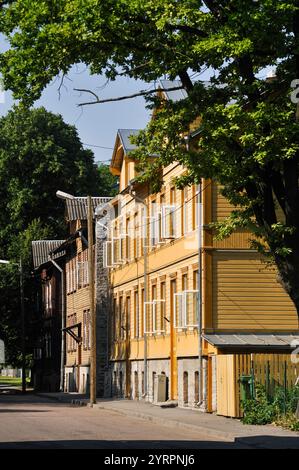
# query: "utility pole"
[145,286]
[23,327]
[93,357]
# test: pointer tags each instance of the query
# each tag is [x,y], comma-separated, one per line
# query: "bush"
[280,409]
[258,410]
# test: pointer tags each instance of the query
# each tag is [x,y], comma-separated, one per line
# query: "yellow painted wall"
[247,296]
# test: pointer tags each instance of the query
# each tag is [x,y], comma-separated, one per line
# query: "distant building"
[49,298]
[78,319]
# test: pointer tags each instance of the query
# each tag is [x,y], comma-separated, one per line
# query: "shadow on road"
[260,442]
[21,410]
[114,445]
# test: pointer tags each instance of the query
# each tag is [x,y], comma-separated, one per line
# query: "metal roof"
[41,250]
[174,96]
[76,209]
[251,340]
[124,135]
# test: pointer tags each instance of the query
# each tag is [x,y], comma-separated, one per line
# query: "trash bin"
[246,387]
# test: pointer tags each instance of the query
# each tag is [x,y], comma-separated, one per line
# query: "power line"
[98,146]
[177,208]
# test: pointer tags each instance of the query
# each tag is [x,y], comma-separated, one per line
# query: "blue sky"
[96,124]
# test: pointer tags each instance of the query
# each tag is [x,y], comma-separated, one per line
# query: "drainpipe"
[145,246]
[200,290]
[62,324]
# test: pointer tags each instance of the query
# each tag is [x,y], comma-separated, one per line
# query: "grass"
[12,381]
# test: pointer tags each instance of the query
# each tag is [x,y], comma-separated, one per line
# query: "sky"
[97,124]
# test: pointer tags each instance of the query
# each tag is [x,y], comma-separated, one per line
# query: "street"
[30,422]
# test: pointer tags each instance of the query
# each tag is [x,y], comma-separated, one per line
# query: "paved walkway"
[228,429]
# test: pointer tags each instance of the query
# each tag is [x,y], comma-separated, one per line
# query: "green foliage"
[248,140]
[39,154]
[279,409]
[258,410]
[107,183]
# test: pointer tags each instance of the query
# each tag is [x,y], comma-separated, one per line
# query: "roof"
[122,147]
[41,250]
[174,96]
[251,340]
[124,135]
[76,209]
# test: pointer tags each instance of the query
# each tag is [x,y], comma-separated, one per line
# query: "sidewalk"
[227,429]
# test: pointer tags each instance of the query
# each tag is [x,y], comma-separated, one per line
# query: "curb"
[67,400]
[229,437]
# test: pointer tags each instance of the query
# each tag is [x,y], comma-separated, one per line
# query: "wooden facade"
[240,293]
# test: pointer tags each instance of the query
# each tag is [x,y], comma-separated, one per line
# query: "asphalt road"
[30,422]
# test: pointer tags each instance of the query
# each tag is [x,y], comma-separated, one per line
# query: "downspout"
[200,290]
[62,324]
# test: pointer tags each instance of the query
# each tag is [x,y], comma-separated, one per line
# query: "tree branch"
[121,98]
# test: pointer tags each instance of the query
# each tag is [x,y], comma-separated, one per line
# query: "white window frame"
[150,303]
[115,260]
[153,316]
[80,273]
[197,207]
[106,244]
[186,211]
[155,303]
[183,296]
[168,210]
[186,292]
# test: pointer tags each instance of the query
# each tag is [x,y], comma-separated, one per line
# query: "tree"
[248,139]
[107,183]
[39,154]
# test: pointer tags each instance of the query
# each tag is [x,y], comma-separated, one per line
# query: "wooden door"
[226,385]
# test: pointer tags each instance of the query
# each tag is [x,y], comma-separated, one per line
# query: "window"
[48,298]
[195,206]
[154,224]
[71,276]
[127,240]
[142,229]
[185,281]
[148,315]
[121,319]
[48,345]
[135,237]
[152,319]
[163,306]
[114,319]
[82,274]
[185,314]
[185,388]
[114,250]
[72,344]
[86,330]
[168,224]
[184,211]
[196,387]
[136,314]
[141,331]
[196,304]
[127,318]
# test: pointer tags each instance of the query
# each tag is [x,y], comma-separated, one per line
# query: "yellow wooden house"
[190,314]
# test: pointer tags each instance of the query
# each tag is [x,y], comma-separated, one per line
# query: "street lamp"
[20,266]
[63,195]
